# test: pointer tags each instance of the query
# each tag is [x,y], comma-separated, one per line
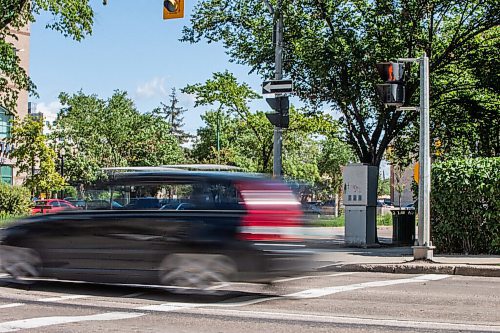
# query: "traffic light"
[281,105]
[392,92]
[173,9]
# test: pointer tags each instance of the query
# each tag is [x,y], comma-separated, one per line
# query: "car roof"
[180,176]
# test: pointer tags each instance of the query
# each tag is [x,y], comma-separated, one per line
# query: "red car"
[51,206]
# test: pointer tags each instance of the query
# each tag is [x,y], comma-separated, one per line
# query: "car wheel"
[20,262]
[196,272]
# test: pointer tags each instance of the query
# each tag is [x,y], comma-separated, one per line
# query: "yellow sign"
[416,172]
[173,9]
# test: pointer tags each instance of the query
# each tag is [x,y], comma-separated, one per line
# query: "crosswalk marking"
[16,325]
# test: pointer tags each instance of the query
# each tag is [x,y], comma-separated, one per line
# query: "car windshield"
[42,203]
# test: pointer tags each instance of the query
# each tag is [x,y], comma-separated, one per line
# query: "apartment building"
[7,170]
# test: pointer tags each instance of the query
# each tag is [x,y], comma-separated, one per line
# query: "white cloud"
[49,110]
[153,88]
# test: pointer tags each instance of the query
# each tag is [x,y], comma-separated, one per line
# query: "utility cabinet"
[360,201]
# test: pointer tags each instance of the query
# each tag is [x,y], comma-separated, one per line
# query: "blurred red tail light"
[272,212]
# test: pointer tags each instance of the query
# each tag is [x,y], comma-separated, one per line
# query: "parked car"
[51,206]
[102,205]
[312,208]
[240,227]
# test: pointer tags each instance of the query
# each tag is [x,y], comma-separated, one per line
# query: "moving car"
[51,206]
[238,227]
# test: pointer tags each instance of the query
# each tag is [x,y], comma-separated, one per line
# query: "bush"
[14,201]
[465,206]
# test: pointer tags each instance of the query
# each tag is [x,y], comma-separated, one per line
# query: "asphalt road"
[327,302]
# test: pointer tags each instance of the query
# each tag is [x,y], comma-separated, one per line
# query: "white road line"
[312,276]
[301,317]
[319,292]
[16,325]
[11,305]
[62,298]
[308,293]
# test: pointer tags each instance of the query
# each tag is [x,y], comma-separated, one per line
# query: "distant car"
[77,202]
[144,203]
[102,204]
[51,206]
[312,208]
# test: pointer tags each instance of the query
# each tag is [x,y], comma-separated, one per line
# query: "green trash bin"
[403,226]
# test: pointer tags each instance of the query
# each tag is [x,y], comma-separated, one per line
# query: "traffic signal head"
[173,9]
[391,71]
[281,117]
[392,92]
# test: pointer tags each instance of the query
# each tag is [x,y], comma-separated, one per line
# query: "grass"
[6,219]
[324,221]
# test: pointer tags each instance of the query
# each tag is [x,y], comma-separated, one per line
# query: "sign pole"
[278,75]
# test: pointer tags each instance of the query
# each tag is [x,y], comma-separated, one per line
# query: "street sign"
[277,86]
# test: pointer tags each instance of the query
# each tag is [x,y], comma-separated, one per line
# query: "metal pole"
[424,250]
[278,75]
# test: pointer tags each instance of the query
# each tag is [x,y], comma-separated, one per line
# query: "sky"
[132,49]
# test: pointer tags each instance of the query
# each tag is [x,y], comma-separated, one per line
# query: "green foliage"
[72,18]
[34,157]
[98,133]
[331,48]
[465,206]
[14,201]
[234,135]
[384,187]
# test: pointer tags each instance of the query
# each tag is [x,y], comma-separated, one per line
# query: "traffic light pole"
[278,75]
[424,249]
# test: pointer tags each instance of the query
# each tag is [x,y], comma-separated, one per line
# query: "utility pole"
[278,75]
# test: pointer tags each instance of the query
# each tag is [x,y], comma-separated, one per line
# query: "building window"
[6,173]
[5,123]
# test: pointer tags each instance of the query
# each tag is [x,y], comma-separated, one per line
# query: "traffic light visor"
[391,71]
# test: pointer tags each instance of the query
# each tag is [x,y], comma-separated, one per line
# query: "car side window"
[55,204]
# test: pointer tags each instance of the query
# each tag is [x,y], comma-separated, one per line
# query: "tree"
[236,135]
[100,133]
[34,157]
[332,46]
[173,115]
[72,18]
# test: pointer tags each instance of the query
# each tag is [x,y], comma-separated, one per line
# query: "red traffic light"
[391,71]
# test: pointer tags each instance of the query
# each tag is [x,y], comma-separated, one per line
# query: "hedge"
[14,201]
[465,206]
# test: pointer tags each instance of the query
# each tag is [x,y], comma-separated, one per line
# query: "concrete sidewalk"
[333,255]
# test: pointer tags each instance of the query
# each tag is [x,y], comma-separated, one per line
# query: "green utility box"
[403,226]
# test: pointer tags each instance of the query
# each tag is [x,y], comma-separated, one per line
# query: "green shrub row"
[465,206]
[14,201]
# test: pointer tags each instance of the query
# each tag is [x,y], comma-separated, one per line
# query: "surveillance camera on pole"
[392,92]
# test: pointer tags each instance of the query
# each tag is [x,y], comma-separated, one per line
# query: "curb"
[418,267]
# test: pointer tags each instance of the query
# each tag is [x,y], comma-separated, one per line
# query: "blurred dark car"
[238,227]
